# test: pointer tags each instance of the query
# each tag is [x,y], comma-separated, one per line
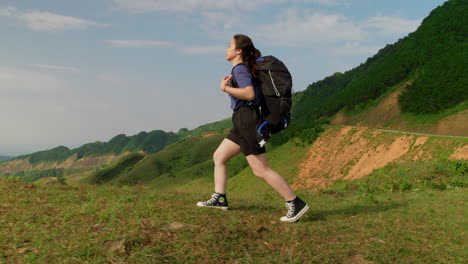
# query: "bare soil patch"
[460,153]
[353,152]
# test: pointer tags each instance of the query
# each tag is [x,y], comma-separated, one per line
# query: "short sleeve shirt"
[243,79]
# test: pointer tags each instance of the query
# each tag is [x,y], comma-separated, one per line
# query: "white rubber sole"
[299,215]
[224,208]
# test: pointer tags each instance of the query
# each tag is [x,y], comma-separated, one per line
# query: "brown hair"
[249,53]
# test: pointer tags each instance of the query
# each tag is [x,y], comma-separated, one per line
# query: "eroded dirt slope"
[353,152]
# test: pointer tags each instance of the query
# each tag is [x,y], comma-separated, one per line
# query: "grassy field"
[138,224]
[410,211]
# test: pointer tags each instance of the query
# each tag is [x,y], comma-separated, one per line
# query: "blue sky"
[75,72]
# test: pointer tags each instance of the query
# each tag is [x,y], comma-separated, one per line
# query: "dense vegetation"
[440,48]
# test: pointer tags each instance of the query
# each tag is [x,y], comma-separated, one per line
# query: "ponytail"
[249,53]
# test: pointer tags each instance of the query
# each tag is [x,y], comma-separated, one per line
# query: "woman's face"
[231,51]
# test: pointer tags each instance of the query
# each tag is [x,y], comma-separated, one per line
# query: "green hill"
[186,160]
[433,57]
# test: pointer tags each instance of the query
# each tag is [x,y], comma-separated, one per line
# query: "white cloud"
[22,82]
[139,43]
[46,21]
[386,25]
[219,20]
[142,6]
[56,67]
[295,29]
[194,50]
[8,11]
[356,48]
[110,78]
[198,50]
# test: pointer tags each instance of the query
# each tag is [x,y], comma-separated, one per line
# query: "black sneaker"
[296,208]
[217,201]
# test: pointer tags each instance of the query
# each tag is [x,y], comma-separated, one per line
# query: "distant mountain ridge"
[2,158]
[143,141]
[147,142]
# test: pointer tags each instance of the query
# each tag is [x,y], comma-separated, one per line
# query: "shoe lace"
[291,208]
[214,198]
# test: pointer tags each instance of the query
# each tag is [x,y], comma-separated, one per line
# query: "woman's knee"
[225,151]
[219,157]
[260,172]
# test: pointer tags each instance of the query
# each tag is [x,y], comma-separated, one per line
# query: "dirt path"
[417,134]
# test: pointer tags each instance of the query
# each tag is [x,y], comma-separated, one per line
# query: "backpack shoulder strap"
[257,102]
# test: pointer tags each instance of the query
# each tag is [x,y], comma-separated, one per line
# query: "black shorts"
[245,121]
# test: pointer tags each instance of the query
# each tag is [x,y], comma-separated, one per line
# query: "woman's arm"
[246,93]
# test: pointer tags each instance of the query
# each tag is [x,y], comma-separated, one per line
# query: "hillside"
[340,153]
[428,65]
[188,159]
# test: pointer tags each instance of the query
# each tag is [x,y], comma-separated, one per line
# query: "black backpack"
[275,83]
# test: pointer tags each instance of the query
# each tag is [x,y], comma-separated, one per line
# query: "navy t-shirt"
[243,78]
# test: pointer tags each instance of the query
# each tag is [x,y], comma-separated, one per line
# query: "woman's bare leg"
[225,151]
[260,167]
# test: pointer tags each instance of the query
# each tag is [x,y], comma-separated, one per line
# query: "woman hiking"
[240,86]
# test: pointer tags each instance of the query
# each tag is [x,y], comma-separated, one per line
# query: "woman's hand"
[225,81]
[246,93]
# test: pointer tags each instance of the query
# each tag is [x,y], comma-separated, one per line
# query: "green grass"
[414,176]
[63,224]
[407,212]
